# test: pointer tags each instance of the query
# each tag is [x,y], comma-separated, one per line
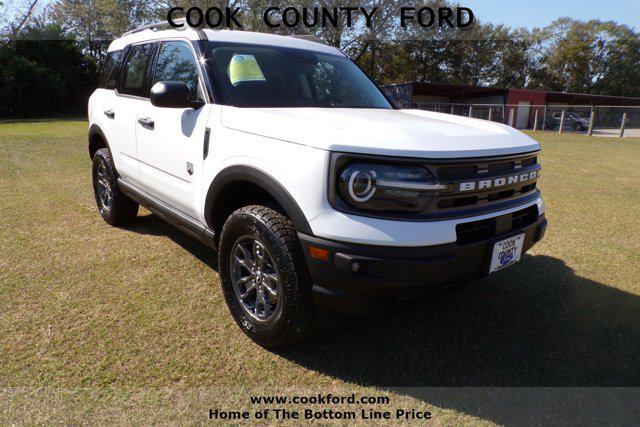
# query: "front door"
[170,140]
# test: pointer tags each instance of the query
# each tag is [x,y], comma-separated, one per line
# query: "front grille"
[448,172]
[478,231]
[524,217]
[480,183]
[456,202]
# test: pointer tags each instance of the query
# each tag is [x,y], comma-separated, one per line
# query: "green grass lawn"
[108,325]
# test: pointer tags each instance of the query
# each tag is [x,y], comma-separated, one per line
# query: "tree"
[514,57]
[621,76]
[15,15]
[44,72]
[589,57]
[96,22]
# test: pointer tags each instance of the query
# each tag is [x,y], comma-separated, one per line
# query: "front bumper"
[364,279]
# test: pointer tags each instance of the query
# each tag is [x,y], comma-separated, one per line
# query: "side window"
[134,71]
[111,69]
[177,63]
[107,67]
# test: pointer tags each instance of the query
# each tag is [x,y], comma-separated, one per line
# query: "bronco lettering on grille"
[486,184]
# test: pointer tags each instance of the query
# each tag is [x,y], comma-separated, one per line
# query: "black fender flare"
[94,130]
[262,180]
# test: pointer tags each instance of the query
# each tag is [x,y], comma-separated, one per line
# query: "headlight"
[377,187]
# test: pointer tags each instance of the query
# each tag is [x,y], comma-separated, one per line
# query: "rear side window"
[111,69]
[134,71]
[177,63]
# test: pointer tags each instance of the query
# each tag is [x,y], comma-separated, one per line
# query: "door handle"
[110,113]
[147,123]
[205,148]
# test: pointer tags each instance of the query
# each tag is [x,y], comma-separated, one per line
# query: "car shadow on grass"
[153,225]
[536,324]
[534,342]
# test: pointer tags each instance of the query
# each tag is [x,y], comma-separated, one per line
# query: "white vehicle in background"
[284,157]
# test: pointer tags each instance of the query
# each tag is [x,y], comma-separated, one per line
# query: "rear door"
[132,95]
[105,112]
[170,140]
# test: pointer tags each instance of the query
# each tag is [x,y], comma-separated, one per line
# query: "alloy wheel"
[256,282]
[105,192]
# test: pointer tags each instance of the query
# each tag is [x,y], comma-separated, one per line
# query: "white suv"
[282,155]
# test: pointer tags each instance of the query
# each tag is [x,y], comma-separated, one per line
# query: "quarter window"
[134,77]
[111,69]
[177,63]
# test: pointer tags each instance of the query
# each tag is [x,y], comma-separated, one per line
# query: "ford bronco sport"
[282,155]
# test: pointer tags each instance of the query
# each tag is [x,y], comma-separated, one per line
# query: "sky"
[539,13]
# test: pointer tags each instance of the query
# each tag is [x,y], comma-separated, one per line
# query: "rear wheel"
[114,207]
[264,277]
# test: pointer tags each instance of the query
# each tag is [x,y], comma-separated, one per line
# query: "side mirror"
[173,95]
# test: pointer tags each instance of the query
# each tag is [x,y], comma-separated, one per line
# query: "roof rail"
[156,26]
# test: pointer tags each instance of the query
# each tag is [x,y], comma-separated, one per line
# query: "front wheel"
[264,277]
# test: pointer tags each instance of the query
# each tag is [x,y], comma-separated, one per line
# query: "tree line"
[57,47]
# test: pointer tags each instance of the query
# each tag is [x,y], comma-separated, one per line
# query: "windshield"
[575,116]
[271,76]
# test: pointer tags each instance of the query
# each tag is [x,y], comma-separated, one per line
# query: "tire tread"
[300,322]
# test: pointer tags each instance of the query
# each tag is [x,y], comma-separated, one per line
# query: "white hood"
[408,133]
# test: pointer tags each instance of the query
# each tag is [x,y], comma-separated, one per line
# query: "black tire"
[293,317]
[578,127]
[120,209]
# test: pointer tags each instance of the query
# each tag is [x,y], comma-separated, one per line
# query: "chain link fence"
[614,121]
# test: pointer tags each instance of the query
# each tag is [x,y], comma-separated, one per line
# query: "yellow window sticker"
[244,68]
